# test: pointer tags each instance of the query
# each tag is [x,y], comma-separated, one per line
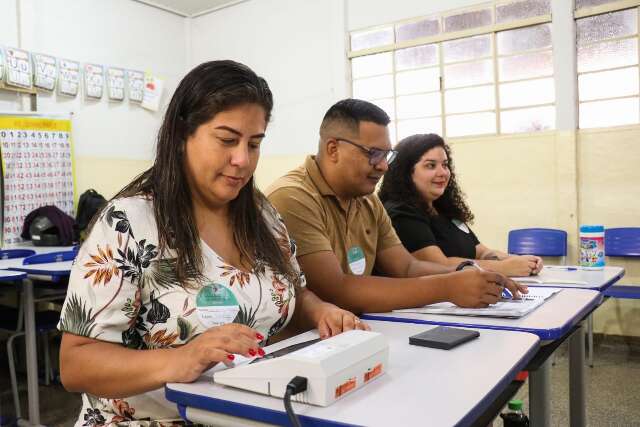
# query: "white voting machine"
[333,367]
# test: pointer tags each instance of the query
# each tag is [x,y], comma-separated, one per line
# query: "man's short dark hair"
[350,112]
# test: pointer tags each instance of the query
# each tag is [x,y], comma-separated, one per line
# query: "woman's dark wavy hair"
[208,89]
[398,184]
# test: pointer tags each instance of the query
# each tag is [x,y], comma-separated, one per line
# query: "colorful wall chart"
[37,166]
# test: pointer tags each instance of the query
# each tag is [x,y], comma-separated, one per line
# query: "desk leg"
[577,409]
[32,358]
[540,395]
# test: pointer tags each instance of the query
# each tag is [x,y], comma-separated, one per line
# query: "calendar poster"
[37,168]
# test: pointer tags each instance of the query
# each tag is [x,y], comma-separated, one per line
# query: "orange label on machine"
[373,372]
[345,387]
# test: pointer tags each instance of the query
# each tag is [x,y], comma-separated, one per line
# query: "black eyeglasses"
[375,155]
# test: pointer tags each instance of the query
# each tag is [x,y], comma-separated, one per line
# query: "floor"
[613,390]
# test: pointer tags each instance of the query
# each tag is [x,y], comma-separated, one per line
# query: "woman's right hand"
[215,345]
[522,265]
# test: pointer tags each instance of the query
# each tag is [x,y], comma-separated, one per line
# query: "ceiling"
[189,7]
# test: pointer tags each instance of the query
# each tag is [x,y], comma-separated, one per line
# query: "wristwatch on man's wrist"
[464,264]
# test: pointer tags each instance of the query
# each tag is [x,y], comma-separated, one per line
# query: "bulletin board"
[37,167]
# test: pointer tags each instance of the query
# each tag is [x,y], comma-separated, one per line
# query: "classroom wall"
[298,46]
[112,141]
[609,175]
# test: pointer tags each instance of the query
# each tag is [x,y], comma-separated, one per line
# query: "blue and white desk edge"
[185,399]
[544,333]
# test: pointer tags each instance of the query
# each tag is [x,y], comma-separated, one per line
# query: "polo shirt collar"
[321,184]
[316,176]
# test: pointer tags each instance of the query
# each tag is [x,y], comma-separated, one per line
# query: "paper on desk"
[504,308]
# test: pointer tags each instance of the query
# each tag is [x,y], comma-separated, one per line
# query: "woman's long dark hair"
[208,89]
[398,184]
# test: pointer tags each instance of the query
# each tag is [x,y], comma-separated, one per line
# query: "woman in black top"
[429,213]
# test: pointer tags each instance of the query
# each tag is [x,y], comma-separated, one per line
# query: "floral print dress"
[122,290]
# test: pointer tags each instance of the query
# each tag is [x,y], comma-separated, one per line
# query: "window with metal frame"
[482,70]
[607,64]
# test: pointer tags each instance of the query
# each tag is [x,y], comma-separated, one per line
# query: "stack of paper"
[503,308]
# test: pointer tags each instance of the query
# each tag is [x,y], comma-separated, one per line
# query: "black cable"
[295,386]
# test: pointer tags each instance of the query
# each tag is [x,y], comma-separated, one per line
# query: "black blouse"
[418,230]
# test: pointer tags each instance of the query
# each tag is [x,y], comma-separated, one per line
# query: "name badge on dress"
[461,225]
[356,260]
[216,305]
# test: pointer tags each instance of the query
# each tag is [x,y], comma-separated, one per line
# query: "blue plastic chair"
[622,242]
[538,241]
[59,256]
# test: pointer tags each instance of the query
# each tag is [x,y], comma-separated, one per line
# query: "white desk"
[423,386]
[598,280]
[51,272]
[39,249]
[551,321]
[11,276]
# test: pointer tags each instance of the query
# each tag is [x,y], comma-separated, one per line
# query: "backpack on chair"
[90,203]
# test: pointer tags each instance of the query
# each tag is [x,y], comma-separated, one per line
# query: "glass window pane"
[528,92]
[471,124]
[371,65]
[614,112]
[415,81]
[616,53]
[392,133]
[373,87]
[469,99]
[412,106]
[371,38]
[388,105]
[525,66]
[606,26]
[528,119]
[521,10]
[413,30]
[527,38]
[608,84]
[464,21]
[466,48]
[589,3]
[468,73]
[415,57]
[417,126]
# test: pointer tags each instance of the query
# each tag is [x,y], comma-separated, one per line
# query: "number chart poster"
[37,168]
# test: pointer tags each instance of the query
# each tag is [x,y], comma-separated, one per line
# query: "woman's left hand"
[333,320]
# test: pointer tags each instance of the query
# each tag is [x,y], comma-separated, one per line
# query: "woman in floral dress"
[188,264]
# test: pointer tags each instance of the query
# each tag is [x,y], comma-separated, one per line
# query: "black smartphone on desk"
[443,337]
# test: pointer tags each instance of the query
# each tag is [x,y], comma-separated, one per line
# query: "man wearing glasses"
[343,232]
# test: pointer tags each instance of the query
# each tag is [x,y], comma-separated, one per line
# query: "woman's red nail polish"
[230,356]
[261,352]
[252,352]
[259,336]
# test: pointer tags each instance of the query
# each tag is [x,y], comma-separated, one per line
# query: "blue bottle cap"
[592,228]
